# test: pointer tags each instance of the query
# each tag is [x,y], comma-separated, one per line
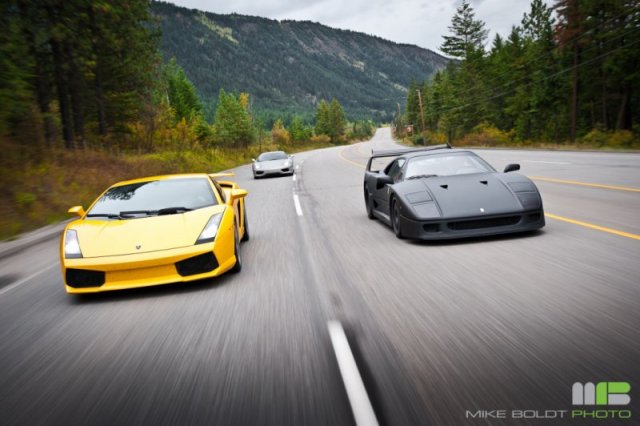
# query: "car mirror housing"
[511,168]
[236,194]
[79,210]
[382,180]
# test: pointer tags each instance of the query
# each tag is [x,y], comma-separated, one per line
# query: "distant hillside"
[288,66]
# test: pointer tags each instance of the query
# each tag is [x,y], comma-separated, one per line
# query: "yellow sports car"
[155,230]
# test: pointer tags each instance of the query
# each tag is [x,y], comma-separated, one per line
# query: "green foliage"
[299,130]
[330,120]
[279,135]
[181,93]
[233,123]
[546,81]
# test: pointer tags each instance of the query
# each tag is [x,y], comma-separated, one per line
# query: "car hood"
[472,195]
[131,236]
[274,164]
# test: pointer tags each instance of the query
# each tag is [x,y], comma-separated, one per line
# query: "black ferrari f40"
[438,192]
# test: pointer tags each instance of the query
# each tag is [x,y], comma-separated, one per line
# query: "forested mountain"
[289,66]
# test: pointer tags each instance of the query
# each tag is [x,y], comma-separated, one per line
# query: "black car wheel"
[395,219]
[245,237]
[369,203]
[238,266]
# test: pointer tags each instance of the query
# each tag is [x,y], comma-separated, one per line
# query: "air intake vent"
[484,223]
[80,278]
[197,265]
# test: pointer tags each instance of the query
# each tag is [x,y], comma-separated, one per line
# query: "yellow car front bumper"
[182,264]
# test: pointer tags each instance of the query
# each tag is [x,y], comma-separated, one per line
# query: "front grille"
[431,227]
[535,217]
[483,223]
[79,278]
[197,265]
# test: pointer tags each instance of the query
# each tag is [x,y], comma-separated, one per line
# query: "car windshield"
[155,197]
[270,156]
[458,163]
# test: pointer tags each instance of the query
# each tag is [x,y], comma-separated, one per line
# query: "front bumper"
[147,269]
[274,172]
[468,227]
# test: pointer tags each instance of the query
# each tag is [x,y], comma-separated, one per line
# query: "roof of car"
[417,151]
[162,177]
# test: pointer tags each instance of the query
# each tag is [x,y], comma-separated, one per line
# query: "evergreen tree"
[468,34]
[181,93]
[232,123]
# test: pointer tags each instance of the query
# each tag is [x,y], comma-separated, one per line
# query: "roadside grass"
[487,136]
[39,185]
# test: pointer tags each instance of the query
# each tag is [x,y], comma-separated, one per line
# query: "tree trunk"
[63,94]
[622,115]
[574,94]
[98,83]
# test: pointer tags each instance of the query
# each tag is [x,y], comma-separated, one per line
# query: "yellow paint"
[592,226]
[592,185]
[110,245]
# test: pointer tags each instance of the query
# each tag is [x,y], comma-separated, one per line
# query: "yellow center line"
[341,154]
[593,185]
[592,226]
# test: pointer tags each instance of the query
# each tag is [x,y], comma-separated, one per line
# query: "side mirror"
[253,159]
[291,156]
[511,168]
[236,194]
[79,210]
[382,180]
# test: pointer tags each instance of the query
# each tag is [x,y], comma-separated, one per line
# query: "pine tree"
[468,34]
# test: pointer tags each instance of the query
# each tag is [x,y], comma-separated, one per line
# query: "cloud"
[418,22]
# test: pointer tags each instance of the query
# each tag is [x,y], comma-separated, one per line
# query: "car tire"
[238,266]
[245,237]
[369,204]
[395,219]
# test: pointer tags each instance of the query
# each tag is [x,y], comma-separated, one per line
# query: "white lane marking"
[546,162]
[357,393]
[293,177]
[25,279]
[296,202]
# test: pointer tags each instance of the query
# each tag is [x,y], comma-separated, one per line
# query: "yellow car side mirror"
[236,194]
[79,210]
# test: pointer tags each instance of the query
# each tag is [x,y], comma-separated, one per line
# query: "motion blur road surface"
[437,329]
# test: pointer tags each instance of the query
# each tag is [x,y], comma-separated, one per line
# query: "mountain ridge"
[288,66]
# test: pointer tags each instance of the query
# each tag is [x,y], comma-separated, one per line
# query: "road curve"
[436,329]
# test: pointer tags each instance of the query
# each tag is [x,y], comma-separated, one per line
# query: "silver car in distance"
[274,163]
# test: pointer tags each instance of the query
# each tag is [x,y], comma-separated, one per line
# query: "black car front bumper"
[478,226]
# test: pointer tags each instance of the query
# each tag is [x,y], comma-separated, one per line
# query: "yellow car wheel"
[238,266]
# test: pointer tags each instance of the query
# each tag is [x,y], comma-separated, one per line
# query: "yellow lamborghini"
[155,230]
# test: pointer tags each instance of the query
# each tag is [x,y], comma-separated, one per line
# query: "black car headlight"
[210,231]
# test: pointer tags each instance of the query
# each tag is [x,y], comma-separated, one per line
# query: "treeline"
[88,74]
[569,76]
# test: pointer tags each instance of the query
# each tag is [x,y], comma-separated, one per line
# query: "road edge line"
[25,279]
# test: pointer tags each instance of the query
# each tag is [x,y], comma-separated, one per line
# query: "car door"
[381,192]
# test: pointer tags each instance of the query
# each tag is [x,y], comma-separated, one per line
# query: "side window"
[395,171]
[219,189]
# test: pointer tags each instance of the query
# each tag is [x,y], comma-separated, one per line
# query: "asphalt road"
[437,329]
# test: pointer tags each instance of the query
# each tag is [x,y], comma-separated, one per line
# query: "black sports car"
[438,192]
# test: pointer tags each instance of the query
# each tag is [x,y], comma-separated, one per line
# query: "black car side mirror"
[511,168]
[382,180]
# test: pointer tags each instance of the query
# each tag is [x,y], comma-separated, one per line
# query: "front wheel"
[369,204]
[395,219]
[245,237]
[238,266]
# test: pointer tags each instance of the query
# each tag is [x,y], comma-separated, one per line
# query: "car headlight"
[72,245]
[210,231]
[288,163]
[257,166]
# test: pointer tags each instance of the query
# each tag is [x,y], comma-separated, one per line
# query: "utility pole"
[424,142]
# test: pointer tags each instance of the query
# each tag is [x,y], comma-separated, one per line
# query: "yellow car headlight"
[72,245]
[210,231]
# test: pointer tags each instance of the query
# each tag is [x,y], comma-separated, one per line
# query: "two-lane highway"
[436,329]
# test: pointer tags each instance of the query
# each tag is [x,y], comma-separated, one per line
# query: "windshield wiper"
[421,176]
[173,210]
[107,215]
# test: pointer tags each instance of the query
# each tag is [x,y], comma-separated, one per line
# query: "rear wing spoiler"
[398,152]
[221,174]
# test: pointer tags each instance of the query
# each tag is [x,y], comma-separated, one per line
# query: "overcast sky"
[420,22]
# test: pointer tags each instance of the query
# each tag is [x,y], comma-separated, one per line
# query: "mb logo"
[602,393]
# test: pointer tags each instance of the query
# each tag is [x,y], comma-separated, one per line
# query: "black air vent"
[197,265]
[484,182]
[80,278]
[444,186]
[484,223]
